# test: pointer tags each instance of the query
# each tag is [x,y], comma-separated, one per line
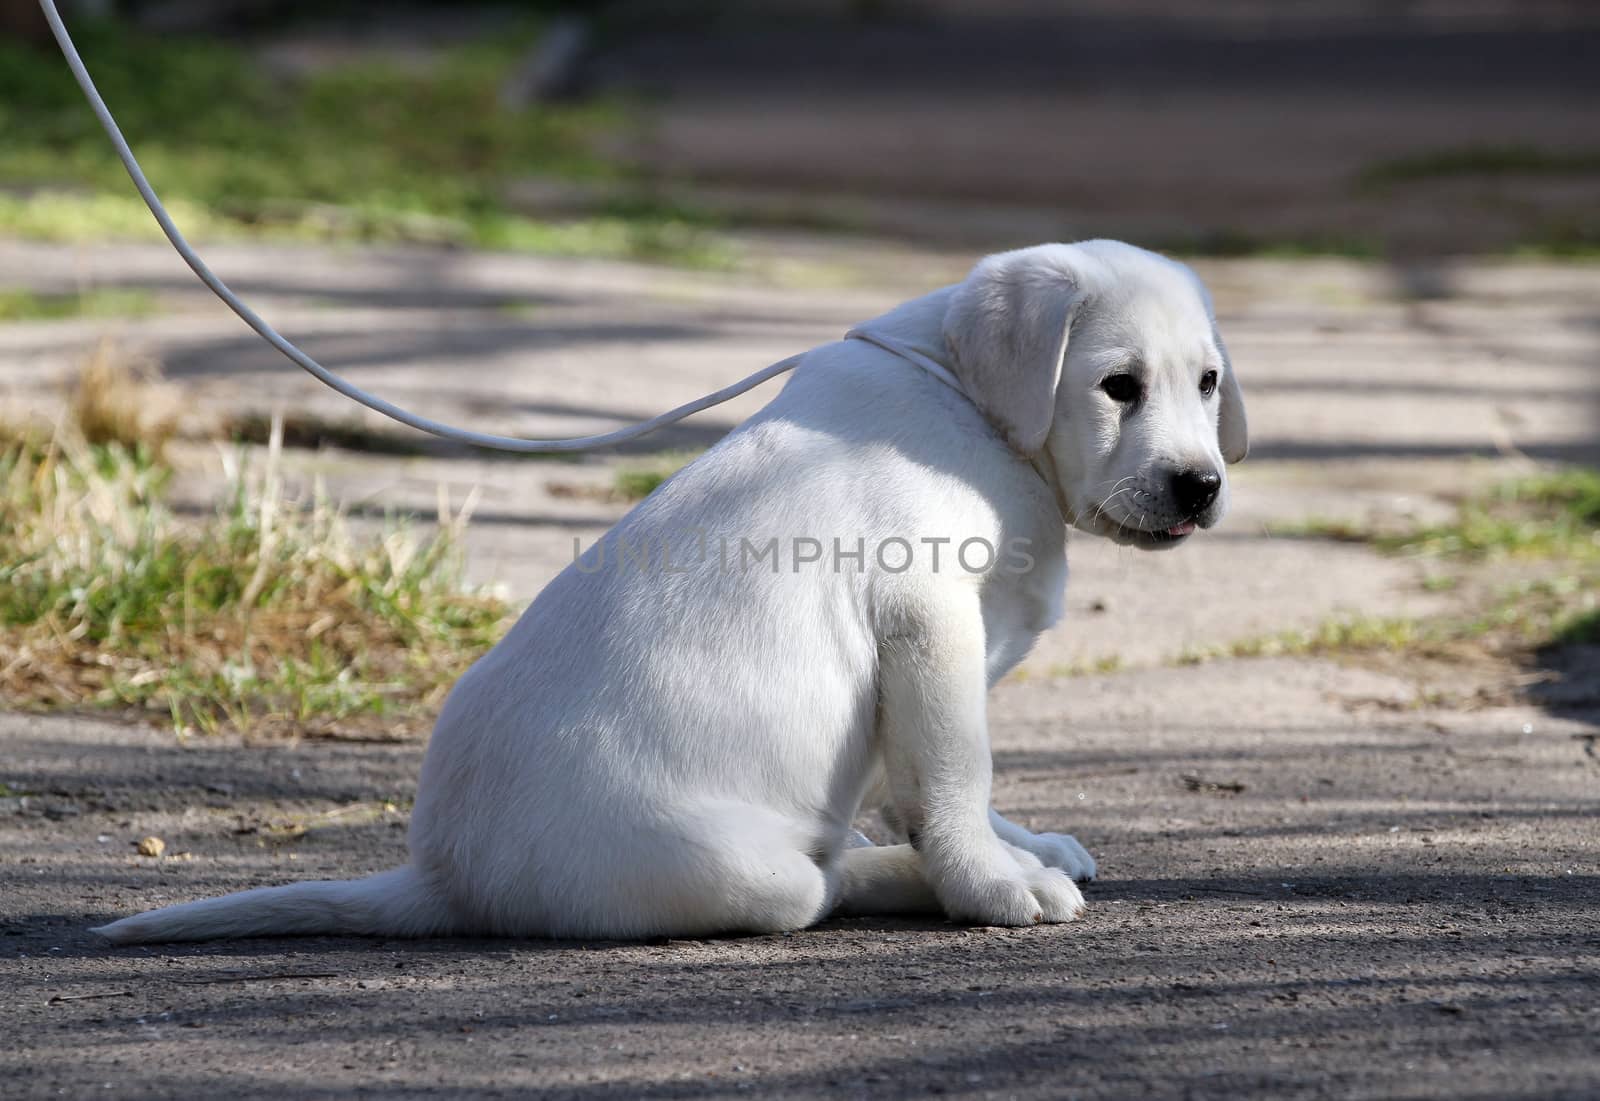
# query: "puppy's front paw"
[1058,895]
[1033,896]
[1057,850]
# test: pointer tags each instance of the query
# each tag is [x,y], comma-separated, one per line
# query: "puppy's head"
[1101,363]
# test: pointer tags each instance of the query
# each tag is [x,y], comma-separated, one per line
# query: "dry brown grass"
[117,399]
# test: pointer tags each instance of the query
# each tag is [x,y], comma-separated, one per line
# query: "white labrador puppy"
[676,737]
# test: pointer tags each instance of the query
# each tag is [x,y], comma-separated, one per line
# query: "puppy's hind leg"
[716,869]
[885,879]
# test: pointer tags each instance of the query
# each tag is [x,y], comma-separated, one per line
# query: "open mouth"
[1156,537]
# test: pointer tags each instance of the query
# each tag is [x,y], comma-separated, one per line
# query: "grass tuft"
[1104,665]
[1555,514]
[1346,634]
[1332,529]
[123,402]
[268,616]
[1551,515]
[1548,522]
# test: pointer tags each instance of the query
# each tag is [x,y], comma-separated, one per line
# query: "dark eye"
[1124,388]
[1208,383]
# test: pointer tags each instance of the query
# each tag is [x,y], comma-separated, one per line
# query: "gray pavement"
[1304,893]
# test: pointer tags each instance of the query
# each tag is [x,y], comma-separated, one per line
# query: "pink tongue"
[1181,529]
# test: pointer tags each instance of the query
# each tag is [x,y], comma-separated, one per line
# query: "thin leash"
[350,389]
[317,370]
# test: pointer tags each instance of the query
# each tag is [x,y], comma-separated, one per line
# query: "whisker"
[1100,507]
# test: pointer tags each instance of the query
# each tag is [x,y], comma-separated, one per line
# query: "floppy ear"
[1006,328]
[1233,431]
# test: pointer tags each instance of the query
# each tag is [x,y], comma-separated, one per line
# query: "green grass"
[1548,522]
[1333,529]
[1521,618]
[1572,237]
[361,152]
[1100,666]
[1239,243]
[1531,614]
[1104,665]
[1551,515]
[1340,634]
[637,483]
[24,305]
[1580,628]
[1518,618]
[1479,161]
[266,616]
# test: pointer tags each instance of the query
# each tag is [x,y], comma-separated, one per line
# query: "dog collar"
[910,355]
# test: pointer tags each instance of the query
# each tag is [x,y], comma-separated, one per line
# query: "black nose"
[1194,490]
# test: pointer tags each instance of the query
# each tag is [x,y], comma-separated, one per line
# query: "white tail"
[396,903]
